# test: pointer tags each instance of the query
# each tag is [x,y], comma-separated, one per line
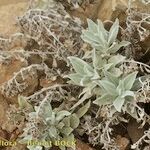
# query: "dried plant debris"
[138,32]
[53,29]
[14,41]
[74,4]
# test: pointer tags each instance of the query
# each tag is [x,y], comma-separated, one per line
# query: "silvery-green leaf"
[36,108]
[108,66]
[87,55]
[61,147]
[129,80]
[116,71]
[84,97]
[113,32]
[93,39]
[45,109]
[104,100]
[116,46]
[88,71]
[84,81]
[82,111]
[61,114]
[97,60]
[92,26]
[118,103]
[130,110]
[60,125]
[66,121]
[24,104]
[108,86]
[102,37]
[74,121]
[66,130]
[127,93]
[75,78]
[26,139]
[52,118]
[70,138]
[111,77]
[78,64]
[90,37]
[116,59]
[34,147]
[88,89]
[120,88]
[102,29]
[52,132]
[99,47]
[96,76]
[138,82]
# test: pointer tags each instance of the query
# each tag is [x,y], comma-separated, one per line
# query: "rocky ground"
[9,11]
[100,9]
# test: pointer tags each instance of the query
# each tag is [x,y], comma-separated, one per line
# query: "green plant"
[115,90]
[102,40]
[46,124]
[96,76]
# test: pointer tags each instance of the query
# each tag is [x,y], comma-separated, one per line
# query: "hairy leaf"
[74,121]
[82,111]
[129,80]
[61,114]
[79,65]
[113,32]
[116,59]
[108,86]
[118,103]
[104,100]
[23,104]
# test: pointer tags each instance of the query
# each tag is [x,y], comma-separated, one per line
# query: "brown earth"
[9,11]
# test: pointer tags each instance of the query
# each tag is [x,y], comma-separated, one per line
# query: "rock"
[3,135]
[17,147]
[25,86]
[8,69]
[89,11]
[82,146]
[9,9]
[32,86]
[134,131]
[140,6]
[102,9]
[108,10]
[3,108]
[46,83]
[122,142]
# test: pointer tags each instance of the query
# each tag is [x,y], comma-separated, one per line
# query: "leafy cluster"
[47,124]
[101,75]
